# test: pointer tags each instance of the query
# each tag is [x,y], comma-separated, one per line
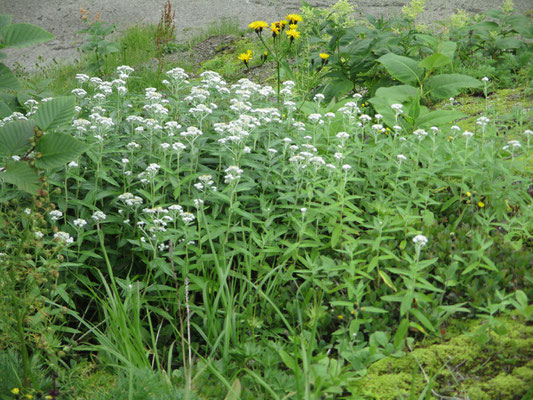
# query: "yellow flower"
[294,18]
[293,26]
[282,23]
[245,57]
[15,391]
[258,26]
[340,317]
[293,34]
[275,28]
[480,204]
[28,396]
[48,397]
[324,56]
[468,194]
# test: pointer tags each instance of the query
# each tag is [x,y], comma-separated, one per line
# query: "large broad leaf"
[20,174]
[438,118]
[15,137]
[521,24]
[4,20]
[23,35]
[5,111]
[435,60]
[57,149]
[508,43]
[386,96]
[8,79]
[404,69]
[448,48]
[448,85]
[55,112]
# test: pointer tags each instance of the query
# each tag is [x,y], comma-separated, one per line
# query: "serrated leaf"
[24,35]
[448,85]
[15,136]
[7,79]
[21,175]
[57,149]
[404,69]
[435,60]
[5,20]
[55,112]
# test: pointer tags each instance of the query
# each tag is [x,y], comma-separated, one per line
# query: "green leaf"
[235,392]
[24,35]
[521,24]
[438,118]
[5,111]
[374,310]
[405,305]
[448,49]
[55,112]
[20,174]
[423,319]
[387,96]
[57,149]
[401,333]
[288,360]
[8,79]
[5,20]
[448,85]
[15,137]
[404,69]
[521,297]
[436,60]
[508,43]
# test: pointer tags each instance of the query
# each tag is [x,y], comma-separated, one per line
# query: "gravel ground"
[62,17]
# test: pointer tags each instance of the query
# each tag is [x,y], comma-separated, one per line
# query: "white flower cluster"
[130,200]
[63,238]
[233,174]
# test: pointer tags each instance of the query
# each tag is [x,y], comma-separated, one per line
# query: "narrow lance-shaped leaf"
[57,149]
[23,35]
[20,174]
[55,112]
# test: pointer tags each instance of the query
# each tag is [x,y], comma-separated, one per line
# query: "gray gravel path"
[62,18]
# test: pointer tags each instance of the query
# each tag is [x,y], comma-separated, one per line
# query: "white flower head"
[420,240]
[79,223]
[98,216]
[55,215]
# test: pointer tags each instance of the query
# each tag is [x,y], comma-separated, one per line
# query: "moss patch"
[500,369]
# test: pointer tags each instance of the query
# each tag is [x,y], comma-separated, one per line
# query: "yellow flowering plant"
[279,45]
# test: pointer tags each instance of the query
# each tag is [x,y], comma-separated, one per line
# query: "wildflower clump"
[279,46]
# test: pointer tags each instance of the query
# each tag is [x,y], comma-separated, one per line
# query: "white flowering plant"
[213,217]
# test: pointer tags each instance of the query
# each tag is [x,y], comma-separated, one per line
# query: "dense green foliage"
[214,239]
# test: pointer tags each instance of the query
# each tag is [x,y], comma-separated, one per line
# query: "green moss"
[499,369]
